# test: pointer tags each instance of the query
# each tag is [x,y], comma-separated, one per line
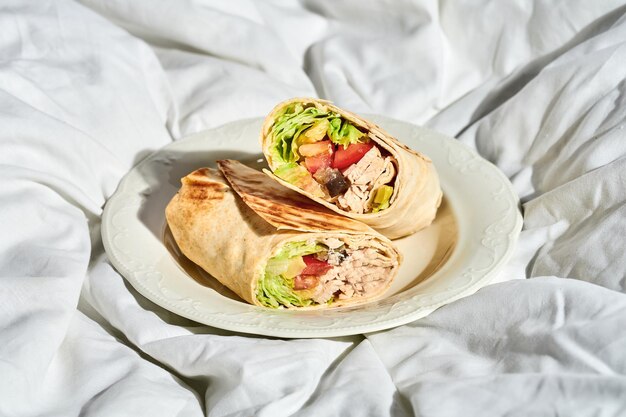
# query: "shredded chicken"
[354,274]
[368,174]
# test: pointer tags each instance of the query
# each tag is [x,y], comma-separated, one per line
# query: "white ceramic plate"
[473,235]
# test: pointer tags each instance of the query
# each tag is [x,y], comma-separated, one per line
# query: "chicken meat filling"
[355,273]
[367,175]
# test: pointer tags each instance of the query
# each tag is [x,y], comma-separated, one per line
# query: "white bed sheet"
[88,89]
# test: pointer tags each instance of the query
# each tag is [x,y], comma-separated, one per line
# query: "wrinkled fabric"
[88,89]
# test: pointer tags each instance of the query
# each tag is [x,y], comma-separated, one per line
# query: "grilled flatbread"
[391,188]
[273,246]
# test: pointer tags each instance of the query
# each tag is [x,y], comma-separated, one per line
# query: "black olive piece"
[337,183]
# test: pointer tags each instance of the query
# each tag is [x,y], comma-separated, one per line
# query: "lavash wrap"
[232,229]
[416,195]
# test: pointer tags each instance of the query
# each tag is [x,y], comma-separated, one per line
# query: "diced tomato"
[304,282]
[312,149]
[351,155]
[314,266]
[315,163]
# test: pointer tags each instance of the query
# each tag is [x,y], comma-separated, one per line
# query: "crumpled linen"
[88,89]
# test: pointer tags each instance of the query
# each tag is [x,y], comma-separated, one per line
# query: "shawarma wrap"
[273,246]
[351,166]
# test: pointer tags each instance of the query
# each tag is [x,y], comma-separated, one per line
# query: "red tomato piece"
[351,155]
[315,163]
[314,266]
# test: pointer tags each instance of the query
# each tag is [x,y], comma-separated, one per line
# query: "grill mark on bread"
[280,206]
[291,218]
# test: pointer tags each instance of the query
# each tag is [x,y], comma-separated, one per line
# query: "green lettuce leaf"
[289,125]
[343,133]
[295,119]
[274,289]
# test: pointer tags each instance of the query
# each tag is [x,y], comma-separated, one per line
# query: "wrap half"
[274,247]
[351,166]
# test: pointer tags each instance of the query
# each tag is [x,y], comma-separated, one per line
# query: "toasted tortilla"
[281,207]
[417,193]
[232,228]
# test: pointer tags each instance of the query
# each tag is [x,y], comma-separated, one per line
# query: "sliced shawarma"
[273,246]
[351,166]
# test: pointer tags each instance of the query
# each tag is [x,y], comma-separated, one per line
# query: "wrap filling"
[324,154]
[322,272]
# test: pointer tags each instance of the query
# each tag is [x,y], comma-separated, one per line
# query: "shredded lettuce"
[289,125]
[274,288]
[288,129]
[381,199]
[343,133]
